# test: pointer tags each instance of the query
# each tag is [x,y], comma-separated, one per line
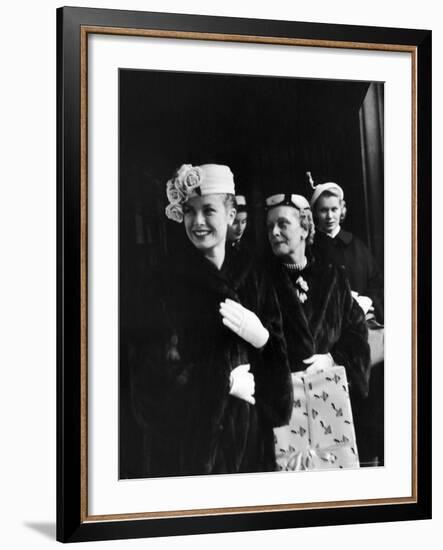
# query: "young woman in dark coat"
[343,248]
[334,244]
[322,323]
[211,380]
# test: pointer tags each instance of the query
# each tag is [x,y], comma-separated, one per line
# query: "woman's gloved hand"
[243,384]
[319,361]
[363,301]
[244,322]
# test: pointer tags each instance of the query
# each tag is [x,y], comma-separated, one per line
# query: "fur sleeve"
[273,378]
[375,288]
[168,392]
[352,349]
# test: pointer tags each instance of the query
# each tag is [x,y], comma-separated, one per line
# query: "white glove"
[243,384]
[319,361]
[363,301]
[244,322]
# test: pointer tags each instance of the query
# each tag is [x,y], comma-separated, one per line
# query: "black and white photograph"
[251,274]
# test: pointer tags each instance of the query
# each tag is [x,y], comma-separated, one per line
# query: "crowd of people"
[238,352]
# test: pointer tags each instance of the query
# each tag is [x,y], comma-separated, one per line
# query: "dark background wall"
[270,131]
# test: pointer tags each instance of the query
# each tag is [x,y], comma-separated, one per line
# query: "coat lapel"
[322,287]
[293,311]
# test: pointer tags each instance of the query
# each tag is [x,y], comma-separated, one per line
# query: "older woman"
[211,380]
[323,325]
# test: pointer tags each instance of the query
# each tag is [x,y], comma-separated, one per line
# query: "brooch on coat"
[301,289]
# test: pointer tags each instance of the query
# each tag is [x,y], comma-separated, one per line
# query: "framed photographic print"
[244,270]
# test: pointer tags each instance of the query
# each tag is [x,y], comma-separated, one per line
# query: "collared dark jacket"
[181,370]
[345,249]
[331,322]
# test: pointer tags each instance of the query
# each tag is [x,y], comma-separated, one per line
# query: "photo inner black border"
[269,131]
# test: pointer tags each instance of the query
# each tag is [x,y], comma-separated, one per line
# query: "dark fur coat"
[366,278]
[181,370]
[363,273]
[328,322]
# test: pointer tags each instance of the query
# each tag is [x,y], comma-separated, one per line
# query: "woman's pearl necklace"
[297,266]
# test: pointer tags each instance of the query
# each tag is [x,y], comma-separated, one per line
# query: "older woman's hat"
[293,190]
[287,199]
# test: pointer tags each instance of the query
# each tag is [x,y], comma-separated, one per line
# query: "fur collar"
[192,266]
[323,281]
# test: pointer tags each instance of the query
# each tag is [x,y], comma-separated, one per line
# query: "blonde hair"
[229,200]
[307,223]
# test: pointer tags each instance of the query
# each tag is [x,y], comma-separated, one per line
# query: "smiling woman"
[209,376]
[207,220]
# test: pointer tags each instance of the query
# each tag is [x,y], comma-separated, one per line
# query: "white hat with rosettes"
[193,181]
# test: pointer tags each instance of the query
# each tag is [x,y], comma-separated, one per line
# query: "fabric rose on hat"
[174,195]
[180,188]
[174,212]
[188,178]
[191,181]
